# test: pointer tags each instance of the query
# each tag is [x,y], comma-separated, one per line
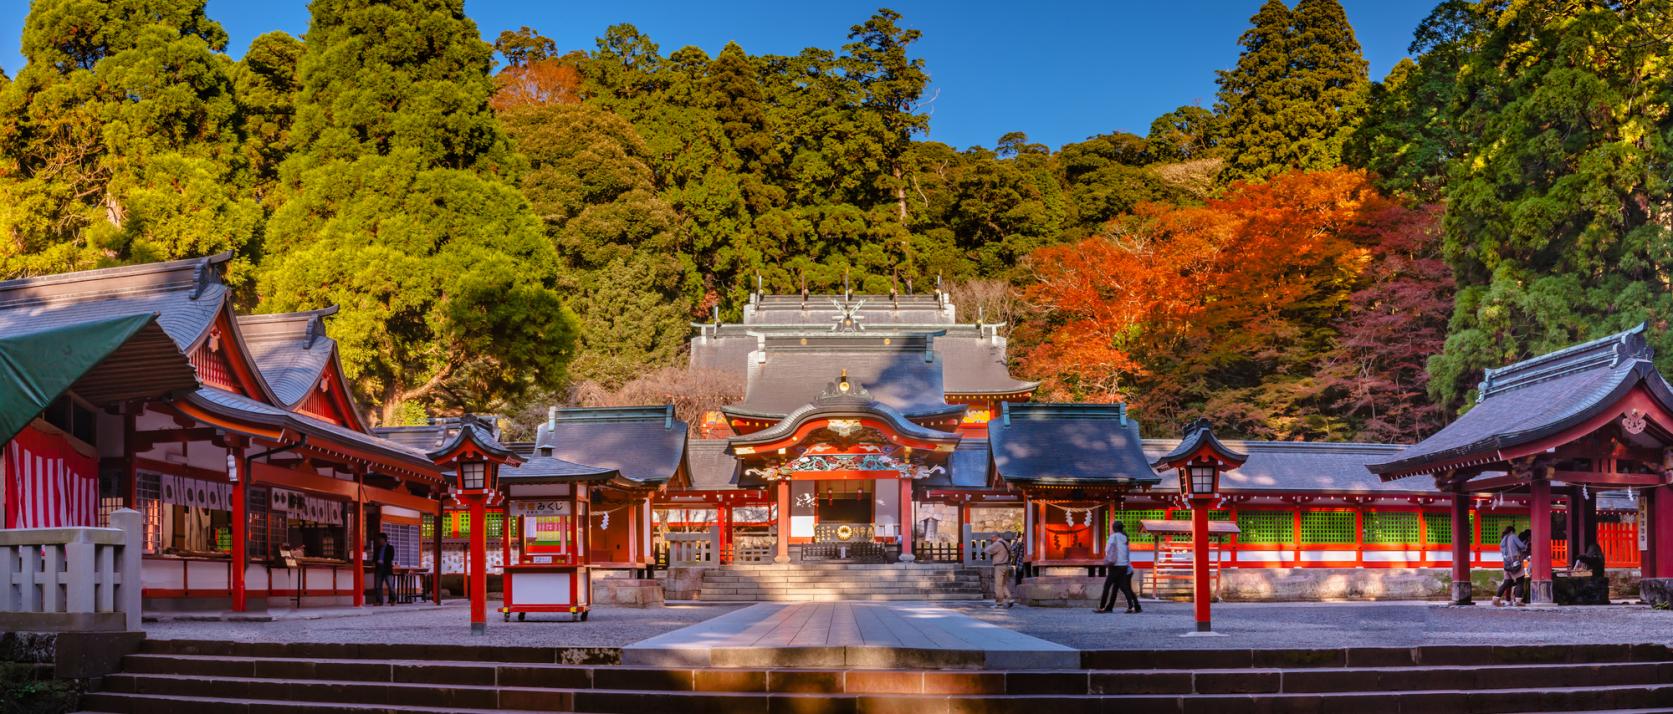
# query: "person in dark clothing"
[383,570]
[1118,571]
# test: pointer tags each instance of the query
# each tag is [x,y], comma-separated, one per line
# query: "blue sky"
[1060,71]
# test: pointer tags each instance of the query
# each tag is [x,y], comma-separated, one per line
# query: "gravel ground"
[1312,625]
[448,623]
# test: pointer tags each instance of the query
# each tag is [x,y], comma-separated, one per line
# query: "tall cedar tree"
[1410,131]
[396,205]
[1559,222]
[892,83]
[1296,93]
[266,81]
[119,140]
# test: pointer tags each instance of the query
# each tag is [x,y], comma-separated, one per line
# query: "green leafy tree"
[119,140]
[1184,134]
[592,185]
[395,204]
[1558,214]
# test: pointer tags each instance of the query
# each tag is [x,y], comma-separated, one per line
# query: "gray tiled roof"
[874,309]
[712,469]
[186,295]
[646,444]
[1535,398]
[1200,434]
[1300,467]
[479,432]
[972,357]
[1092,444]
[966,468]
[550,469]
[290,349]
[858,406]
[424,438]
[903,375]
[976,365]
[242,407]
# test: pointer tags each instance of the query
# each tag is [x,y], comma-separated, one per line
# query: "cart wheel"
[508,617]
[522,617]
[583,616]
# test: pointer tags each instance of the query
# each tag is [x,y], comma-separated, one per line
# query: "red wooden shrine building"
[873,428]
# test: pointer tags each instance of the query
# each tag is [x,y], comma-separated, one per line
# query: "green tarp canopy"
[106,361]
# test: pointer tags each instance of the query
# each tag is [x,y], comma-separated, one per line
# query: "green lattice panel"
[1131,519]
[223,539]
[1184,514]
[1391,527]
[428,527]
[1439,526]
[462,524]
[1328,527]
[1493,523]
[496,521]
[1266,527]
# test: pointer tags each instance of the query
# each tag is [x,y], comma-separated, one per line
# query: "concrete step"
[143,673]
[1437,701]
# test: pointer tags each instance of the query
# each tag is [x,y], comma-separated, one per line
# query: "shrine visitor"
[1118,571]
[999,554]
[383,570]
[1511,553]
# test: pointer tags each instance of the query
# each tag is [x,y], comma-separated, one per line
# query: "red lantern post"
[1200,458]
[477,456]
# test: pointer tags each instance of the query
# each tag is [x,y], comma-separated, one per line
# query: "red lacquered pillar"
[479,566]
[1199,562]
[1461,590]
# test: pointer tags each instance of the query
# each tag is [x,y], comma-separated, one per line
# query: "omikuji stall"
[547,503]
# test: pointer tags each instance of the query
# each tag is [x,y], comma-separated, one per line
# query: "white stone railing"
[72,578]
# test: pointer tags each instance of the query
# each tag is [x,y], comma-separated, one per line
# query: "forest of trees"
[1316,255]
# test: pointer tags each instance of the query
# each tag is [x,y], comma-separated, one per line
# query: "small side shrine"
[547,502]
[1590,419]
[1073,464]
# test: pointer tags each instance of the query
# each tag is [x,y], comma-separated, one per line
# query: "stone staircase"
[264,678]
[820,582]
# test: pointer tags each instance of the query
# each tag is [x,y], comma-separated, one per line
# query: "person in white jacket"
[1511,553]
[1119,571]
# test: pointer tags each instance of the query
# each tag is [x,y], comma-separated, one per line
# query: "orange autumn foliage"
[1225,308]
[553,80]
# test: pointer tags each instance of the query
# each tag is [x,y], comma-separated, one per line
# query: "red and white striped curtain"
[48,483]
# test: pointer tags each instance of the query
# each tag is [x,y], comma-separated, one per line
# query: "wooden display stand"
[1170,572]
[550,573]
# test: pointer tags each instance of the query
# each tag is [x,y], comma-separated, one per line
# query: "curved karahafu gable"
[1536,398]
[1070,444]
[844,400]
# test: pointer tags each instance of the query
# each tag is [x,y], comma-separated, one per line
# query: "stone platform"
[859,635]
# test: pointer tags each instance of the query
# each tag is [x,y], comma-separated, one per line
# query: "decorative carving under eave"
[1634,421]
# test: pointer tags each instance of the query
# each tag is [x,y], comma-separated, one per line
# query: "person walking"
[999,556]
[383,570]
[1118,569]
[1511,554]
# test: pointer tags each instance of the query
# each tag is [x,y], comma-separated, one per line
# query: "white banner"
[307,508]
[540,508]
[194,493]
